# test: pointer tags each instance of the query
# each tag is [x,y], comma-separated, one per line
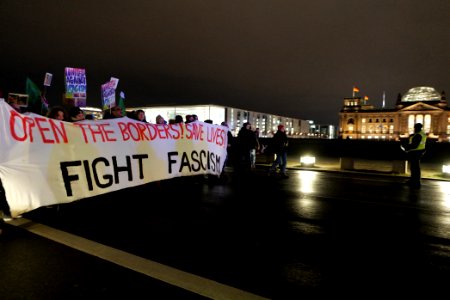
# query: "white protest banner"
[45,161]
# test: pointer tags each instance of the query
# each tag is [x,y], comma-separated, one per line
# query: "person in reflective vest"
[415,150]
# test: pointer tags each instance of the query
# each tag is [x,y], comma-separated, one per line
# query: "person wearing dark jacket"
[279,146]
[415,150]
[246,141]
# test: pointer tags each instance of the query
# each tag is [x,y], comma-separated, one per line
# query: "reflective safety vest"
[423,141]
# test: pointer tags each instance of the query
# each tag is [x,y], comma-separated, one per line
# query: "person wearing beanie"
[278,146]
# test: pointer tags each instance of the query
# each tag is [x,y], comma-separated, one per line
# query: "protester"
[255,150]
[113,113]
[57,113]
[160,120]
[76,114]
[131,114]
[246,141]
[140,115]
[189,119]
[179,119]
[230,140]
[278,145]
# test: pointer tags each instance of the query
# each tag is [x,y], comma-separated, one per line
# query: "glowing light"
[446,169]
[307,160]
[421,93]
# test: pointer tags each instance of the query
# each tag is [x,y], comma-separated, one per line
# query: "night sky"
[289,57]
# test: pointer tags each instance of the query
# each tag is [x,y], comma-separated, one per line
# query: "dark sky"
[290,57]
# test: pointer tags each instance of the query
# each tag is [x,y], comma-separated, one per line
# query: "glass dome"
[421,93]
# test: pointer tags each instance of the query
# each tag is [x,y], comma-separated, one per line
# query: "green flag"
[34,95]
[122,103]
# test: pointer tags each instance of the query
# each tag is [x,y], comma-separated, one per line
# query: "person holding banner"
[57,113]
[114,113]
[230,141]
[140,115]
[160,120]
[76,114]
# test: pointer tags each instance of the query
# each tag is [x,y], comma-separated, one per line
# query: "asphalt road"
[249,237]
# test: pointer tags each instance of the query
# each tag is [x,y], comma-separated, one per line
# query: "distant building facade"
[235,117]
[425,105]
[96,113]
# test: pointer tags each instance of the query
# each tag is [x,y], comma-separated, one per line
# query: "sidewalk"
[429,171]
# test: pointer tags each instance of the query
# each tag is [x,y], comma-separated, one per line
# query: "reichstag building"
[425,105]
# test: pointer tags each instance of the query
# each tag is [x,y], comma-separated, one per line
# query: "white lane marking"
[187,281]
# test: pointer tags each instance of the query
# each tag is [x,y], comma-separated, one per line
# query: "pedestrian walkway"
[429,170]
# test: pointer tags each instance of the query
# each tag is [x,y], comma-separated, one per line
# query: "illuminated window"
[384,129]
[448,129]
[411,124]
[363,120]
[427,124]
[391,129]
[363,129]
[419,119]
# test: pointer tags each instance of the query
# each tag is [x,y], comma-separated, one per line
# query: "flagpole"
[353,92]
[42,99]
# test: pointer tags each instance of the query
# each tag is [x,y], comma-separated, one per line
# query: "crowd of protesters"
[241,150]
